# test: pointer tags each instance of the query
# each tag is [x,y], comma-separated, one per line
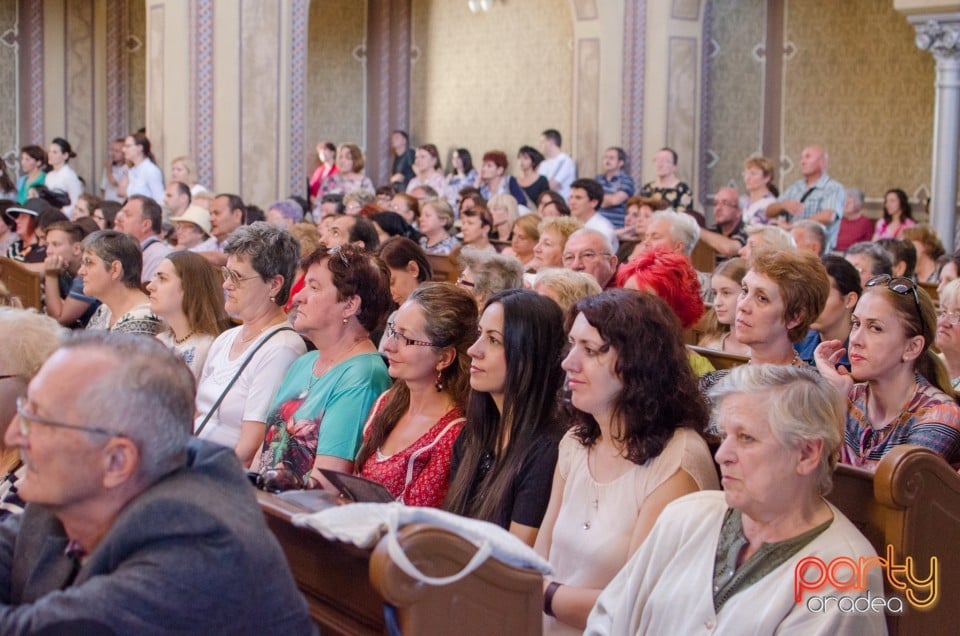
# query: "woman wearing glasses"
[316,419]
[245,364]
[898,391]
[411,430]
[948,331]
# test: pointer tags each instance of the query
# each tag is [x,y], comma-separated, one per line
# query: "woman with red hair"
[670,276]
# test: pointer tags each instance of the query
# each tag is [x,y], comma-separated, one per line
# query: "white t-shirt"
[65,179]
[147,180]
[250,397]
[193,351]
[561,168]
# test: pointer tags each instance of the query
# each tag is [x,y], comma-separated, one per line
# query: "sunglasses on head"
[902,286]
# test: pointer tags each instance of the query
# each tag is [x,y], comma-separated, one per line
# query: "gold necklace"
[180,341]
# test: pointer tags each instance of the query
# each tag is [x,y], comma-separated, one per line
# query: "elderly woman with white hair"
[672,230]
[565,286]
[26,340]
[736,561]
[948,330]
[486,273]
[767,236]
[285,214]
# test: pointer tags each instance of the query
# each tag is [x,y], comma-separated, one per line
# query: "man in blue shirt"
[816,196]
[617,186]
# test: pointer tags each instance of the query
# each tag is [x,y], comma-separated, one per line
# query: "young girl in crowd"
[725,284]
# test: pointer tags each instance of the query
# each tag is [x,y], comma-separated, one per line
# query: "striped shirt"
[930,419]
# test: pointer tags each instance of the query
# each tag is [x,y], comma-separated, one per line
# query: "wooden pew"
[21,282]
[445,269]
[913,504]
[346,587]
[719,359]
[703,258]
[931,288]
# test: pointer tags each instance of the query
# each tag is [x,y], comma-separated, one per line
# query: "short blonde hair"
[190,166]
[505,201]
[442,209]
[562,225]
[568,286]
[27,339]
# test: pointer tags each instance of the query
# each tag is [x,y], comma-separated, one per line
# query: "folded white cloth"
[362,524]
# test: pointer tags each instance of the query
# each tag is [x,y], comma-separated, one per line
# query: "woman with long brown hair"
[186,292]
[410,434]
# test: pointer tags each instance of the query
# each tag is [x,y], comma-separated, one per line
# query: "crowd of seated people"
[548,390]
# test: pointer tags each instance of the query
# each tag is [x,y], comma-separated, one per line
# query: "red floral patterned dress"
[419,474]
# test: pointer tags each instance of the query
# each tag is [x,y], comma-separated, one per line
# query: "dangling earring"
[439,380]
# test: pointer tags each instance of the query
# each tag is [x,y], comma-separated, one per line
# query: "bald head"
[726,207]
[813,161]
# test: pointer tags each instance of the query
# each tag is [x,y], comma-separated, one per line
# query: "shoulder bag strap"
[236,377]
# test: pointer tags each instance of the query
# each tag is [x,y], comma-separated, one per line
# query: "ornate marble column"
[940,34]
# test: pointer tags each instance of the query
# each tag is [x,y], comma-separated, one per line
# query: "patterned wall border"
[685,10]
[118,17]
[707,52]
[31,41]
[634,65]
[587,68]
[672,96]
[201,89]
[299,27]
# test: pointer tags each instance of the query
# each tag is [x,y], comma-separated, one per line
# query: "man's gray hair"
[683,228]
[799,405]
[147,395]
[587,231]
[812,227]
[775,237]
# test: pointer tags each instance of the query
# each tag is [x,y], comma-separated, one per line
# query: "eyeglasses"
[402,340]
[462,282]
[27,420]
[951,318]
[230,276]
[588,255]
[902,286]
[337,251]
[729,204]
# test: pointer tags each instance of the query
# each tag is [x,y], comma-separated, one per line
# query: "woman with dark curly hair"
[635,446]
[503,460]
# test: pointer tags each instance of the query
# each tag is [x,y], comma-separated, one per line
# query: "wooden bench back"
[719,359]
[346,587]
[445,269]
[912,503]
[21,282]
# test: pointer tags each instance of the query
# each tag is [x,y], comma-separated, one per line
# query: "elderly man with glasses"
[131,525]
[590,251]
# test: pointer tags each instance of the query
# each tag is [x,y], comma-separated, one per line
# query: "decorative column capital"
[939,34]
